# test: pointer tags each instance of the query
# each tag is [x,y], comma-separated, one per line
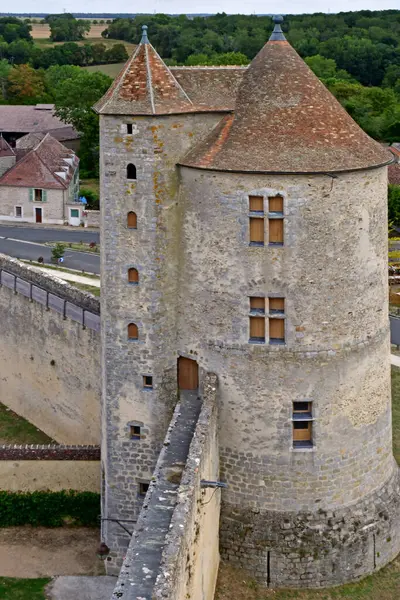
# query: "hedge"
[49,509]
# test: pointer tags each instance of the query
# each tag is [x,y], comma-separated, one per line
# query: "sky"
[200,6]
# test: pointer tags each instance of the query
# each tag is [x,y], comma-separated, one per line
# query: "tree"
[117,53]
[66,28]
[394,204]
[5,69]
[25,84]
[74,98]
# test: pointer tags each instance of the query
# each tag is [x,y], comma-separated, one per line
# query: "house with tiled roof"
[244,278]
[19,120]
[39,181]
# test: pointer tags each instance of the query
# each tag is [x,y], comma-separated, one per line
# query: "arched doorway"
[188,374]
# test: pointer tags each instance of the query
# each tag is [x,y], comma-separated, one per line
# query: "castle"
[244,233]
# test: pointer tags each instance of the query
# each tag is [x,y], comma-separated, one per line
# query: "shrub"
[49,509]
[57,252]
[92,198]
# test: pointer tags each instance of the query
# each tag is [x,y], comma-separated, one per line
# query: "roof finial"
[145,39]
[277,34]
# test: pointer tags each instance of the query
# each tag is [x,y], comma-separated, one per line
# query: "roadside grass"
[16,430]
[110,70]
[90,184]
[22,589]
[55,268]
[384,585]
[78,246]
[86,288]
[396,414]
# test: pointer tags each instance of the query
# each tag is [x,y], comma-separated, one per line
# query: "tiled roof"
[48,165]
[29,141]
[286,121]
[5,148]
[145,86]
[212,88]
[26,119]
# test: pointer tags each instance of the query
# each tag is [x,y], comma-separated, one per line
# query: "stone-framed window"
[275,221]
[256,221]
[18,212]
[131,220]
[135,432]
[131,171]
[147,382]
[143,486]
[276,320]
[133,276]
[302,424]
[133,331]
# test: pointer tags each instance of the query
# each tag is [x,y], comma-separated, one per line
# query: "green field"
[111,70]
[16,430]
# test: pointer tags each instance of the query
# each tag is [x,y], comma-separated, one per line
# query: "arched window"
[131,171]
[133,332]
[132,220]
[133,275]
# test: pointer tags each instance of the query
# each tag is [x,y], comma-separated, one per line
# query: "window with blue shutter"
[44,195]
[30,194]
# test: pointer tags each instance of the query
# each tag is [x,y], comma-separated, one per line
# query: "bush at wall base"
[49,509]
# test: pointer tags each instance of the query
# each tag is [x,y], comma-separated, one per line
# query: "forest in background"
[355,54]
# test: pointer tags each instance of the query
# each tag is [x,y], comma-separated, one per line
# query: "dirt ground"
[42,31]
[31,552]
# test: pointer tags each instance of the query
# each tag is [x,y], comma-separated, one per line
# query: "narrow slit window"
[132,220]
[302,424]
[133,276]
[276,306]
[256,204]
[143,487]
[257,329]
[256,231]
[257,305]
[129,128]
[275,205]
[131,171]
[135,432]
[275,227]
[148,382]
[276,331]
[133,332]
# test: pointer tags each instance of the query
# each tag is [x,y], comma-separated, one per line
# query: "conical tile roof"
[145,86]
[286,121]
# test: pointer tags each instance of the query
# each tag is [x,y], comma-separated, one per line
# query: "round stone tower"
[283,294]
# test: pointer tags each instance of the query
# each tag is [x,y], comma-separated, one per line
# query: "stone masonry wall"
[154,147]
[332,273]
[49,366]
[175,556]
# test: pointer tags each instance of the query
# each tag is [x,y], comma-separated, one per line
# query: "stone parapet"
[49,452]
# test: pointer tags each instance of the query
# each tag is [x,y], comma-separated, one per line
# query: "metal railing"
[50,301]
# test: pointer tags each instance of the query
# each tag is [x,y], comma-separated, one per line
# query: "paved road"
[37,234]
[32,250]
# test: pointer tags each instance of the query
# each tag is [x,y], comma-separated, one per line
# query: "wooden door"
[38,215]
[188,374]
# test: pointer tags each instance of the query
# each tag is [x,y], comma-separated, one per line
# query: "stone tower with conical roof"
[249,239]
